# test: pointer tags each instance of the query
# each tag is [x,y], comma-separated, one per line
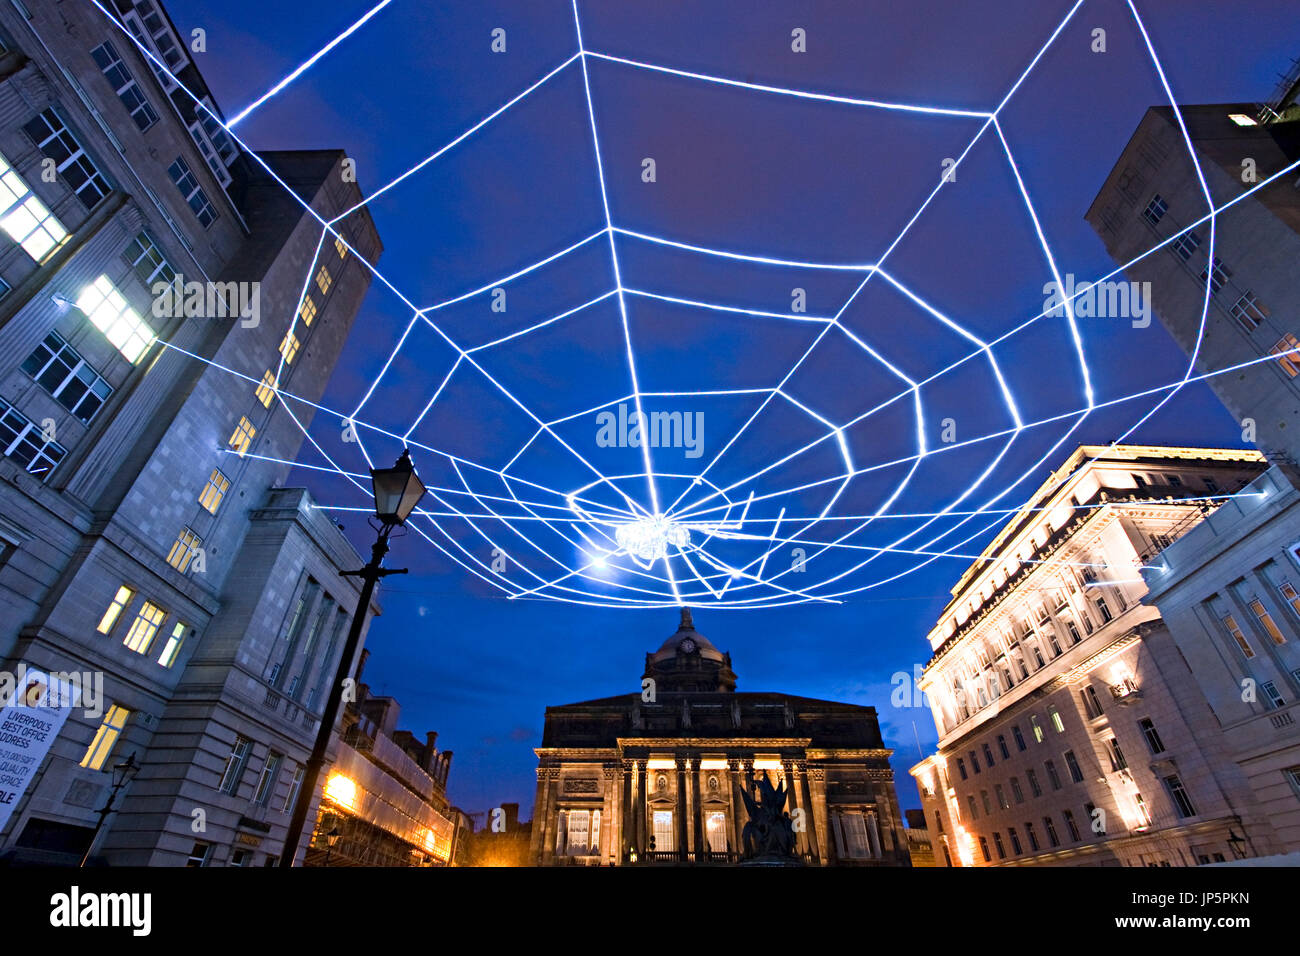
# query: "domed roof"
[677,644]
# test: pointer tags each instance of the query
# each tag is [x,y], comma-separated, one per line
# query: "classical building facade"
[144,538]
[1154,197]
[656,776]
[1229,591]
[1071,729]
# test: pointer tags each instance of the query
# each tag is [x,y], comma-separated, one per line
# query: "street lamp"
[331,839]
[397,491]
[122,773]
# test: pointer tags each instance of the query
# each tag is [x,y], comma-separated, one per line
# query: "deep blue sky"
[744,171]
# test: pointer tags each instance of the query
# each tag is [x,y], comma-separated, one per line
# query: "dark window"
[24,441]
[961,768]
[1033,837]
[1103,609]
[997,845]
[1034,788]
[1091,703]
[974,761]
[1186,245]
[1015,841]
[1020,739]
[124,85]
[1182,802]
[1002,746]
[59,369]
[1154,743]
[1052,774]
[988,755]
[1076,772]
[1016,791]
[1070,826]
[1117,761]
[75,167]
[1155,210]
[193,193]
[984,849]
[1216,273]
[1050,827]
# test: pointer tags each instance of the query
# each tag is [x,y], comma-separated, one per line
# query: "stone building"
[1071,729]
[144,538]
[655,776]
[1227,590]
[1154,197]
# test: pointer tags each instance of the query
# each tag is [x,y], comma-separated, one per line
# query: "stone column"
[820,815]
[838,828]
[738,813]
[639,808]
[608,846]
[543,837]
[787,770]
[626,830]
[679,824]
[697,817]
[805,803]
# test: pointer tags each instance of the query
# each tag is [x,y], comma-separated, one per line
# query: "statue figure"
[769,834]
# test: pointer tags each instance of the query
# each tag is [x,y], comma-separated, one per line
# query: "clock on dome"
[687,646]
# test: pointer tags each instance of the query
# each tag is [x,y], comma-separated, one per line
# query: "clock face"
[687,646]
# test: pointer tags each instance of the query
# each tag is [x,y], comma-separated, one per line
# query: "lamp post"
[331,840]
[397,491]
[122,773]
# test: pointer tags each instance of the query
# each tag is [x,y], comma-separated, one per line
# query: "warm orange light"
[341,790]
[965,847]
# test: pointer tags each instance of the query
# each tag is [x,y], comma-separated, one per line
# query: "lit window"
[192,192]
[662,831]
[187,543]
[172,648]
[266,391]
[144,627]
[578,837]
[1241,119]
[105,737]
[1234,632]
[1290,596]
[1186,245]
[1037,728]
[120,601]
[1155,210]
[242,439]
[324,280]
[340,247]
[216,488]
[1057,723]
[1249,311]
[59,369]
[1266,621]
[124,85]
[27,443]
[289,347]
[25,218]
[235,764]
[1285,350]
[716,830]
[1216,273]
[76,169]
[109,312]
[307,311]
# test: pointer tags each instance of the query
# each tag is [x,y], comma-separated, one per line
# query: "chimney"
[512,816]
[429,754]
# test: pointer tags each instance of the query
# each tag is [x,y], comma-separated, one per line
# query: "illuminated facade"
[1071,731]
[144,535]
[654,776]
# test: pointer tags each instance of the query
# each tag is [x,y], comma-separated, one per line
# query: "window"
[1117,761]
[961,768]
[149,26]
[144,627]
[235,764]
[215,145]
[124,85]
[1292,775]
[340,247]
[1020,738]
[242,439]
[148,263]
[854,826]
[105,737]
[192,192]
[984,801]
[1057,723]
[1103,609]
[1178,794]
[974,761]
[1275,699]
[1033,838]
[1002,796]
[1053,642]
[1073,630]
[1015,841]
[1290,596]
[289,347]
[215,490]
[1002,746]
[984,849]
[1072,764]
[239,858]
[988,755]
[25,218]
[1050,829]
[1091,703]
[1186,245]
[1216,273]
[662,832]
[1070,826]
[172,648]
[183,550]
[1230,623]
[1037,728]
[1034,788]
[715,830]
[307,311]
[1016,792]
[1144,815]
[997,845]
[1155,210]
[1094,818]
[120,600]
[266,390]
[291,797]
[109,312]
[270,774]
[1053,777]
[1149,734]
[59,369]
[76,169]
[1249,312]
[200,855]
[324,280]
[1285,350]
[24,441]
[970,801]
[1266,621]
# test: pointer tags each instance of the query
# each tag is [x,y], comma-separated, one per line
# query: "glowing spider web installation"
[798,489]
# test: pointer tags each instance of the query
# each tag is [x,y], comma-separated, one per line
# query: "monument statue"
[769,834]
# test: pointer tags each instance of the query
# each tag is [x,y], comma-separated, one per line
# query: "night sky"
[749,172]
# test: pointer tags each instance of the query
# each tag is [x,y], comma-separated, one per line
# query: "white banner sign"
[36,705]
